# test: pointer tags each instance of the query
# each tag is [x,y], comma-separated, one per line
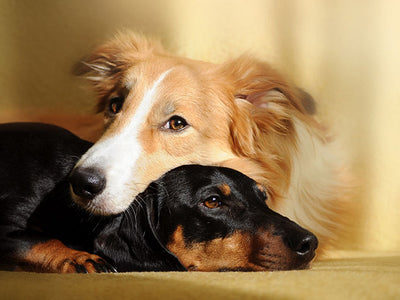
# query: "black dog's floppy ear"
[110,245]
[130,241]
[153,210]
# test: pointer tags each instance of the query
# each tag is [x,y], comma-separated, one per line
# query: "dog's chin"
[266,266]
[100,205]
[258,267]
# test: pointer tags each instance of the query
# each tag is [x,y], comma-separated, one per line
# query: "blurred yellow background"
[344,53]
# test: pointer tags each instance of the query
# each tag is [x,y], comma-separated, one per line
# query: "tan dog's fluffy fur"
[241,114]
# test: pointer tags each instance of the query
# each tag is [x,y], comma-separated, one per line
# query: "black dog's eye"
[115,105]
[176,123]
[212,202]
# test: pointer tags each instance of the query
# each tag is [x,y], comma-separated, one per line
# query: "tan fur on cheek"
[232,252]
[177,145]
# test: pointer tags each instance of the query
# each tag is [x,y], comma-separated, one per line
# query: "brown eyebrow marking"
[263,190]
[261,187]
[225,189]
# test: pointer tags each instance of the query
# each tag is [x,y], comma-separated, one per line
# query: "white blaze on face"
[116,157]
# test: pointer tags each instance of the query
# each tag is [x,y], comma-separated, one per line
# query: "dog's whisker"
[128,216]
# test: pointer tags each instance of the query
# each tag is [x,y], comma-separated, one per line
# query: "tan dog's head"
[163,111]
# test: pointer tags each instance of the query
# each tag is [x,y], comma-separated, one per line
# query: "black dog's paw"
[86,263]
[94,266]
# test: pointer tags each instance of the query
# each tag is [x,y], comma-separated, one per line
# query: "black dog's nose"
[303,244]
[87,182]
[306,245]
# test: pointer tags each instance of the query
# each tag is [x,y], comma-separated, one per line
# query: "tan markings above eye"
[225,189]
[176,123]
[263,190]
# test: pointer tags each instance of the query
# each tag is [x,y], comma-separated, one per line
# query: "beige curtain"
[345,53]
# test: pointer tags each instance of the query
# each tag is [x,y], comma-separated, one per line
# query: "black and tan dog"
[192,218]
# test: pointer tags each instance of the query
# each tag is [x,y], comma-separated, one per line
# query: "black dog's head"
[205,219]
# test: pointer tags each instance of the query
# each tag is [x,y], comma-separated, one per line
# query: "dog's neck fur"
[315,166]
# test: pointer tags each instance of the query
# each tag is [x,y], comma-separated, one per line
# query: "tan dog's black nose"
[87,182]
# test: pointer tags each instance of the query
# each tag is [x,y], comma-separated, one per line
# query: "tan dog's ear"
[261,85]
[105,67]
[266,104]
[307,101]
[259,116]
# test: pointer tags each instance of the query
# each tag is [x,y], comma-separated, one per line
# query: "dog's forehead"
[148,71]
[145,72]
[181,83]
[235,178]
[227,181]
[235,184]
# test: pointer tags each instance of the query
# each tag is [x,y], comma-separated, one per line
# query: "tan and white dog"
[162,111]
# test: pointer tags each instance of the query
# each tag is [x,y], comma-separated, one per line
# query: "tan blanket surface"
[364,277]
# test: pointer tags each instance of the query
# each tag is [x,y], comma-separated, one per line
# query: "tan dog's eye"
[212,202]
[115,105]
[176,123]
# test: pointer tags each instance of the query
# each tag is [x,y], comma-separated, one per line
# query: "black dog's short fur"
[35,206]
[192,218]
